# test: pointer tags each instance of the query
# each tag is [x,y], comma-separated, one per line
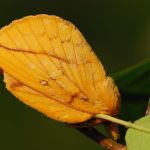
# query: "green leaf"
[138,140]
[135,79]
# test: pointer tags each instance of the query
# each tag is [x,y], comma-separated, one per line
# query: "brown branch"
[107,143]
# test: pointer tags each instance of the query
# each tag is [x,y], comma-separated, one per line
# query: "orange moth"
[48,65]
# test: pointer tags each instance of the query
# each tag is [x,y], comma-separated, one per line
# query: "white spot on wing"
[32,66]
[56,74]
[44,82]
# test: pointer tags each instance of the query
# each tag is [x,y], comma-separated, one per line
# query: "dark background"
[118,31]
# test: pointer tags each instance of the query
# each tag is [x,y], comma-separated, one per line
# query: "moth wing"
[46,105]
[50,56]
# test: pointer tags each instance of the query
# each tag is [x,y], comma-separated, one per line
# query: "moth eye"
[44,82]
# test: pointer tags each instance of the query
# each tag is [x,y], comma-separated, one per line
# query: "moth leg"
[113,130]
[1,71]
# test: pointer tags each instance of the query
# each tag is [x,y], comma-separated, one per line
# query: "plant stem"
[122,122]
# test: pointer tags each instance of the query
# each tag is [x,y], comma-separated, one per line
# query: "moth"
[48,65]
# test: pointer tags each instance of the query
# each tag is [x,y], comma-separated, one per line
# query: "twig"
[107,143]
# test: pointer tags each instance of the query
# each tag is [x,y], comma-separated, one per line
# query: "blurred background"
[119,33]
